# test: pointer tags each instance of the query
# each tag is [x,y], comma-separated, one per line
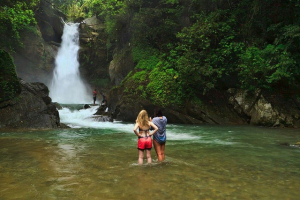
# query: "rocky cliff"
[31,109]
[94,54]
[22,104]
[35,60]
[232,106]
[217,107]
[9,84]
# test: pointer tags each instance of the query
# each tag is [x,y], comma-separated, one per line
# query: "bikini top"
[146,131]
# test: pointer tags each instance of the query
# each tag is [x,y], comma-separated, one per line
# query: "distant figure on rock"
[94,95]
[103,99]
[103,103]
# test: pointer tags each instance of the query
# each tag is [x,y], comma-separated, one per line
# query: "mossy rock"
[47,30]
[9,83]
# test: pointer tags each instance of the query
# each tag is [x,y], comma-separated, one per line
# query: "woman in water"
[144,135]
[160,137]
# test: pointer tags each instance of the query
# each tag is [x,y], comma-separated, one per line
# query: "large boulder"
[266,109]
[94,23]
[32,109]
[50,21]
[47,31]
[102,114]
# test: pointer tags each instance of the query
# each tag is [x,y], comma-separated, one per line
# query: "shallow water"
[98,160]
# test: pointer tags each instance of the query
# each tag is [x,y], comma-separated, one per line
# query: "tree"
[15,15]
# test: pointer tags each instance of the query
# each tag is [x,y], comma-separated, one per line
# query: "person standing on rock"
[94,95]
[144,135]
[103,99]
[160,137]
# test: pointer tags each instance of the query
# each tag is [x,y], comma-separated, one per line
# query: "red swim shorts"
[145,143]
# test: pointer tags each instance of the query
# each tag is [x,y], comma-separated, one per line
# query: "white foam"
[67,85]
[181,136]
[82,119]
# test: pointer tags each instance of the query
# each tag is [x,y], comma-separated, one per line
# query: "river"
[98,160]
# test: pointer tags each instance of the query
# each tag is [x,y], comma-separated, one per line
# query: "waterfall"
[67,87]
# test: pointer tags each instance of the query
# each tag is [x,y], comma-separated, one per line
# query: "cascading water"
[67,87]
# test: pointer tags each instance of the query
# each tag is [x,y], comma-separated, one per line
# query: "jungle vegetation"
[184,48]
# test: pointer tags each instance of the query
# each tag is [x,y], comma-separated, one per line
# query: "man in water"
[94,95]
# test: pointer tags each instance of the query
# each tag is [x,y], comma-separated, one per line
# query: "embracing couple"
[142,129]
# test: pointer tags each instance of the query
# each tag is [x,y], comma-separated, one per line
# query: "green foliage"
[142,91]
[15,16]
[163,88]
[113,12]
[9,83]
[206,53]
[75,11]
[189,47]
[155,25]
[183,48]
[267,67]
[147,64]
[145,58]
[134,84]
[108,7]
[139,77]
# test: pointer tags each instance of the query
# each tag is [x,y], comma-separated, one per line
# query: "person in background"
[160,137]
[94,95]
[144,135]
[103,99]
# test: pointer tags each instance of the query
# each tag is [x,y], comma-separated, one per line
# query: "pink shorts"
[145,143]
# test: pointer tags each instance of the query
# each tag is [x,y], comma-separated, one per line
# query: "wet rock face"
[9,83]
[120,66]
[86,106]
[50,21]
[36,60]
[217,107]
[33,108]
[265,109]
[263,113]
[102,115]
[94,54]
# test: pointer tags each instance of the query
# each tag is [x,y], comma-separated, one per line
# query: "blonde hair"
[142,118]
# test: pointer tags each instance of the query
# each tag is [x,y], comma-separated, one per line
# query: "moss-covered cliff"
[94,54]
[204,62]
[22,104]
[9,83]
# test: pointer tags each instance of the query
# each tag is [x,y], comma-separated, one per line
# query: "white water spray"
[83,119]
[67,86]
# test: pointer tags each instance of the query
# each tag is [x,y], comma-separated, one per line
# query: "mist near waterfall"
[67,87]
